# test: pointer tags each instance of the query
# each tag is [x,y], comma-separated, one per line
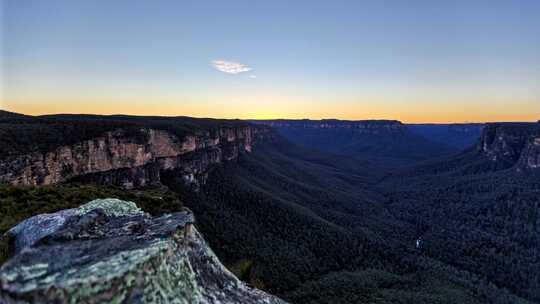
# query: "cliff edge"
[512,144]
[109,251]
[127,151]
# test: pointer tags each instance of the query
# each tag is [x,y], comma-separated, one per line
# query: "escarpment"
[129,159]
[512,144]
[357,126]
[109,251]
[530,158]
[382,143]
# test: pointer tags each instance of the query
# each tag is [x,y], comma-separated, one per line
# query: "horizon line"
[283,118]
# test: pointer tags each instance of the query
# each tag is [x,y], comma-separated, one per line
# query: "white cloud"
[252,76]
[230,67]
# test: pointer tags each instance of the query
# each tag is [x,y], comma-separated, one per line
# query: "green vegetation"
[316,228]
[19,203]
[21,134]
[375,286]
[486,223]
[293,224]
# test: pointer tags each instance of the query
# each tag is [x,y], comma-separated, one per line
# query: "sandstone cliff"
[118,157]
[108,251]
[512,144]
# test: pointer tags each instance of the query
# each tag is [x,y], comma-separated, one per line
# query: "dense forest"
[318,227]
[285,222]
[20,202]
[485,222]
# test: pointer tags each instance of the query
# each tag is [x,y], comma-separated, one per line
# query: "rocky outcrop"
[530,158]
[120,158]
[512,144]
[109,251]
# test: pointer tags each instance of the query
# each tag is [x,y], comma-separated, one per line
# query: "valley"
[311,211]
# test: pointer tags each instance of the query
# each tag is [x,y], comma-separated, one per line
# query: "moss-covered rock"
[109,251]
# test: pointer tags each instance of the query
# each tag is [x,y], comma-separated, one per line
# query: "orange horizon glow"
[416,63]
[202,111]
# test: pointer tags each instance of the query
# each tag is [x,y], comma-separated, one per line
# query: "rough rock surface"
[109,251]
[120,158]
[513,144]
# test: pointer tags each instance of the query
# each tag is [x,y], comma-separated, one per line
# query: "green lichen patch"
[172,280]
[121,255]
[111,206]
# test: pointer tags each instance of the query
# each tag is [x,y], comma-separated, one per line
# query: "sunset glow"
[411,61]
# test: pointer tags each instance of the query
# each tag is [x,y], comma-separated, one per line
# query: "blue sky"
[410,60]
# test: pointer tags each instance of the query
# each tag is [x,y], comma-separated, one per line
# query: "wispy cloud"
[230,67]
[252,76]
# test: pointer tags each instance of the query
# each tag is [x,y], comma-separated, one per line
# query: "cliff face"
[530,157]
[512,144]
[358,126]
[120,158]
[109,251]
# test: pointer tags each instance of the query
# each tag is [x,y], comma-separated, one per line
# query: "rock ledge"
[109,251]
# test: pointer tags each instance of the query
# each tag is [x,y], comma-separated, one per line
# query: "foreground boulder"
[109,251]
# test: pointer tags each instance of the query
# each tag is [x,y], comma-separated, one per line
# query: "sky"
[415,61]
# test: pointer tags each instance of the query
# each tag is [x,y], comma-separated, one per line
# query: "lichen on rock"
[111,206]
[108,251]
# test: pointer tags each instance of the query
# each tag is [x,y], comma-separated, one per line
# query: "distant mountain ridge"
[7,114]
[387,143]
[457,135]
[376,125]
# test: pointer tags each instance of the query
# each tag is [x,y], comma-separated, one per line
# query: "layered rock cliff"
[118,157]
[109,251]
[512,144]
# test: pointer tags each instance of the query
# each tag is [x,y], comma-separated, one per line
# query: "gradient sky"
[416,61]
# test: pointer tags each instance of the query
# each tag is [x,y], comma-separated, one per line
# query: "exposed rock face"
[512,144]
[121,159]
[108,251]
[530,158]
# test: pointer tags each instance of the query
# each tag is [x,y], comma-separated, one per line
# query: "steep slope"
[386,143]
[310,226]
[313,231]
[512,144]
[7,114]
[501,146]
[123,150]
[110,251]
[272,198]
[478,211]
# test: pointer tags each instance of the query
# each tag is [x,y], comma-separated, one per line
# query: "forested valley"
[318,226]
